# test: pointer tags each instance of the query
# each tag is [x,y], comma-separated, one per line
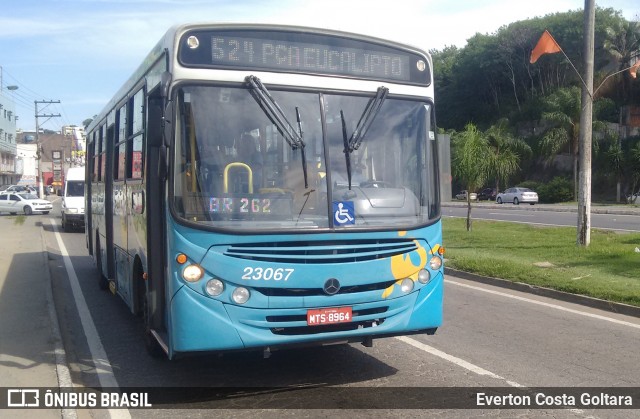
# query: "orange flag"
[634,69]
[546,45]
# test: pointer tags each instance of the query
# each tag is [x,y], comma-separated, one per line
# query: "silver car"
[518,195]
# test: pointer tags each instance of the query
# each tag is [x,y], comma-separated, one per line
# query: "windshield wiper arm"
[302,154]
[273,111]
[270,107]
[347,151]
[367,117]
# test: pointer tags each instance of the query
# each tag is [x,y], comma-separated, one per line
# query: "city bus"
[261,187]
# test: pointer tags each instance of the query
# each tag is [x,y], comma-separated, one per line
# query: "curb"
[597,303]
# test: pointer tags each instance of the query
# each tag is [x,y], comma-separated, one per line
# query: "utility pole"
[39,147]
[586,122]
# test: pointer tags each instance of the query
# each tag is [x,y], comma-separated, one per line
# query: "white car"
[518,195]
[26,203]
[15,189]
[463,196]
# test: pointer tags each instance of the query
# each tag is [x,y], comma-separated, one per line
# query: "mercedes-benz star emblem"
[332,286]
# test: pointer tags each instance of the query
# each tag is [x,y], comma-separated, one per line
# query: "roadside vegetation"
[547,257]
[512,121]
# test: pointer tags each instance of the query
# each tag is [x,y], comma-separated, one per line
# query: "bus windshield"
[235,168]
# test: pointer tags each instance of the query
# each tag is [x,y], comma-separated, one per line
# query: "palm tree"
[471,161]
[623,42]
[506,150]
[563,113]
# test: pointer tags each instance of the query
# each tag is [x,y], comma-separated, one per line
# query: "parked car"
[487,194]
[26,203]
[15,189]
[518,195]
[463,196]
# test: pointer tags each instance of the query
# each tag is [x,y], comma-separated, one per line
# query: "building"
[58,152]
[10,169]
[27,163]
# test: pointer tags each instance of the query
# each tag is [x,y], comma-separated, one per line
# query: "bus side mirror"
[165,82]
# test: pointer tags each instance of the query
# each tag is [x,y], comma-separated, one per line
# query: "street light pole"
[586,119]
[38,145]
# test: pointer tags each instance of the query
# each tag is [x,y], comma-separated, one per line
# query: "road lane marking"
[453,359]
[98,354]
[467,365]
[550,305]
[518,213]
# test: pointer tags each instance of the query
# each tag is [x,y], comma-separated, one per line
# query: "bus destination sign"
[302,53]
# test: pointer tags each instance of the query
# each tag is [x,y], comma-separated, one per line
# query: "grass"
[609,268]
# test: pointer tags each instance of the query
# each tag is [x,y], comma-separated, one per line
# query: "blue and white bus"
[257,187]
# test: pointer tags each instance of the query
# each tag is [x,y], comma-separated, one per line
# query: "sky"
[80,52]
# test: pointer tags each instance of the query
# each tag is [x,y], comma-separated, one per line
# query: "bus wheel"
[103,282]
[150,343]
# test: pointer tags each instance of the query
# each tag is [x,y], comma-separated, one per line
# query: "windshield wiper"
[366,119]
[270,107]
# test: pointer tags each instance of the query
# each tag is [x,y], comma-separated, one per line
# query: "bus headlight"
[192,273]
[406,285]
[214,287]
[424,276]
[435,263]
[240,295]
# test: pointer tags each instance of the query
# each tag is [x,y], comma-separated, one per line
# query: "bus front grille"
[310,292]
[343,251]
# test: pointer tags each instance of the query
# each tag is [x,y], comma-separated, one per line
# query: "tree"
[505,151]
[623,159]
[563,108]
[563,113]
[623,42]
[471,161]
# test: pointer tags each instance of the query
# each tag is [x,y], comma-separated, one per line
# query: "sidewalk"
[29,333]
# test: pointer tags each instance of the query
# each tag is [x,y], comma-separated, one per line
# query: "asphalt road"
[491,337]
[530,215]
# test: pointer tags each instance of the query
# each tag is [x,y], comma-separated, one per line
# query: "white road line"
[458,361]
[541,303]
[517,213]
[467,365]
[98,354]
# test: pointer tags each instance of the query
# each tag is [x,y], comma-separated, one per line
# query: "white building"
[79,143]
[27,157]
[8,171]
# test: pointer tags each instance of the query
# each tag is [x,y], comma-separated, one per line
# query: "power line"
[26,98]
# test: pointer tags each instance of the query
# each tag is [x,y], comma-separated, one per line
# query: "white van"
[73,199]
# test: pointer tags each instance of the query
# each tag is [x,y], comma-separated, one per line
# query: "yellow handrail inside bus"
[242,166]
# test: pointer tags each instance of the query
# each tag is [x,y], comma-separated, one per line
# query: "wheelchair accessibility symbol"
[344,213]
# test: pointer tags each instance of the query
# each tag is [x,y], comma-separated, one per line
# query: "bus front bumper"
[202,324]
